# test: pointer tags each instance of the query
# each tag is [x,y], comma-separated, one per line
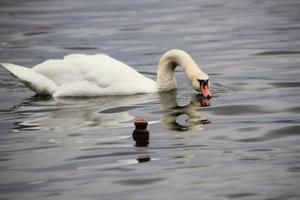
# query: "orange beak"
[204,89]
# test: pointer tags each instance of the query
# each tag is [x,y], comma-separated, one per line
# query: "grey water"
[243,145]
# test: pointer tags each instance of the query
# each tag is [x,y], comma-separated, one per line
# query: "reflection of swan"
[194,119]
[101,75]
[67,113]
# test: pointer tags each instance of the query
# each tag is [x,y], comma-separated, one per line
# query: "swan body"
[100,75]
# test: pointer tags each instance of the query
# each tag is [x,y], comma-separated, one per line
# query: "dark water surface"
[245,145]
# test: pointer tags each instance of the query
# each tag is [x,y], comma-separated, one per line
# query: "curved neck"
[167,64]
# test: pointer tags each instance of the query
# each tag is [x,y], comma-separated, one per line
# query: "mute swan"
[99,75]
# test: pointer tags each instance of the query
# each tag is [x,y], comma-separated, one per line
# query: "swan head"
[201,83]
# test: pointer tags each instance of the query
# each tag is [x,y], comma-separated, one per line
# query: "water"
[245,145]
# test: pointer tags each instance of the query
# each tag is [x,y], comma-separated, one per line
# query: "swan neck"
[167,64]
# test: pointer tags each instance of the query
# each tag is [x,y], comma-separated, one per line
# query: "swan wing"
[94,75]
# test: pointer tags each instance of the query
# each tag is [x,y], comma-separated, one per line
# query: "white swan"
[100,75]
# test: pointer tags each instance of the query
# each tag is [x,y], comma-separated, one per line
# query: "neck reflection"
[183,118]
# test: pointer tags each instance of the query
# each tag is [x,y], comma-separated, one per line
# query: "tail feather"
[35,81]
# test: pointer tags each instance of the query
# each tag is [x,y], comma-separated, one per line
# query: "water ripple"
[137,182]
[238,110]
[284,132]
[275,53]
